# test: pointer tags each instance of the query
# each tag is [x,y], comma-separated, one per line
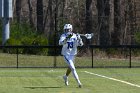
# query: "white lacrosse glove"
[78,36]
[79,39]
[69,35]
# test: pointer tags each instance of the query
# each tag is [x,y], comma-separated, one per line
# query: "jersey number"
[70,45]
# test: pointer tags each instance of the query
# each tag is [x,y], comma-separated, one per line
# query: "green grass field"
[49,80]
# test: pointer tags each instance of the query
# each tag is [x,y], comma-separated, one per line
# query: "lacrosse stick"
[88,36]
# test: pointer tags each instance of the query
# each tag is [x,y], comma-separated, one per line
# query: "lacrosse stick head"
[89,36]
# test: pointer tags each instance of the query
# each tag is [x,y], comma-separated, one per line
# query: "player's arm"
[79,41]
[63,39]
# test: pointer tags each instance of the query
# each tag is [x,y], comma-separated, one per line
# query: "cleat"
[80,86]
[66,80]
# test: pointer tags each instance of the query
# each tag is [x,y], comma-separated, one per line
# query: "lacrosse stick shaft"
[82,34]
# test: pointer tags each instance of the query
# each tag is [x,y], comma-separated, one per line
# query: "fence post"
[130,65]
[55,61]
[92,57]
[55,56]
[17,57]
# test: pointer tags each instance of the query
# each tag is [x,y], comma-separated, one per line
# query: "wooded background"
[113,22]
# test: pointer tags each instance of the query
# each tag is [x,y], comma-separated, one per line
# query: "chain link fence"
[87,57]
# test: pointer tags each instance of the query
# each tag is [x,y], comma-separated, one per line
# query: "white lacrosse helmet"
[67,28]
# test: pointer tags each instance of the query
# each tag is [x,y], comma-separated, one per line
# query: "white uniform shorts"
[69,59]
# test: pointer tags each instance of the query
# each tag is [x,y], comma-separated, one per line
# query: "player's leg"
[74,72]
[68,71]
[69,60]
[65,77]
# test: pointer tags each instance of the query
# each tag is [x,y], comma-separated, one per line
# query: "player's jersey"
[70,46]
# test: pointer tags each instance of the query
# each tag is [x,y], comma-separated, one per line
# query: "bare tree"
[103,17]
[30,13]
[39,12]
[18,10]
[111,20]
[119,22]
[122,22]
[88,16]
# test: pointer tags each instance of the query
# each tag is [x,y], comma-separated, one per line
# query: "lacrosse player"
[70,41]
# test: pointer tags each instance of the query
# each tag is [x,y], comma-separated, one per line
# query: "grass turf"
[50,81]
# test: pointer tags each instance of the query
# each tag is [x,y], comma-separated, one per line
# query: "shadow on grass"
[35,87]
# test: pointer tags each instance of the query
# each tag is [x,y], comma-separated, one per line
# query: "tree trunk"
[111,20]
[122,21]
[40,16]
[88,18]
[103,21]
[117,21]
[18,10]
[30,13]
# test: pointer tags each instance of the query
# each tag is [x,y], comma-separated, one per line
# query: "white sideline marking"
[125,82]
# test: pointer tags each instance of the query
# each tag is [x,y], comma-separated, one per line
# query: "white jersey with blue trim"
[70,46]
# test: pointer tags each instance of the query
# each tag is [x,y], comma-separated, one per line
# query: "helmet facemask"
[67,28]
